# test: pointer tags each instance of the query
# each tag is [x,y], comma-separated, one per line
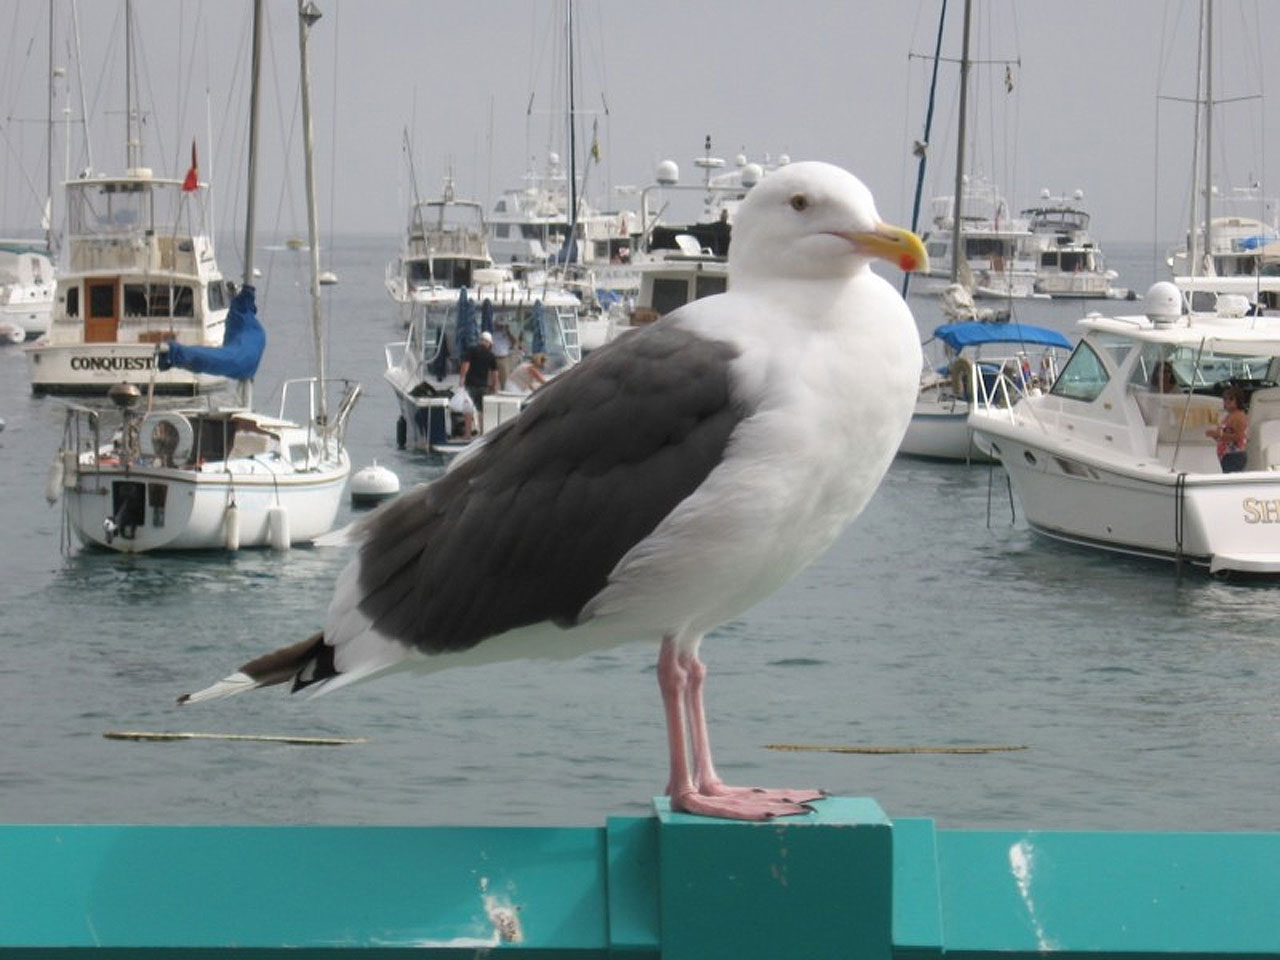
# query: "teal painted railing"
[842,882]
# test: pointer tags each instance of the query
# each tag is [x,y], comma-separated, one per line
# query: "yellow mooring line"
[995,748]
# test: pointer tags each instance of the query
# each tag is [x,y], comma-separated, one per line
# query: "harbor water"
[1138,698]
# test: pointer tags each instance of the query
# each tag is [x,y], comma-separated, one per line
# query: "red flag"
[192,181]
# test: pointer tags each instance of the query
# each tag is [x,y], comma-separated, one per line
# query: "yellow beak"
[895,244]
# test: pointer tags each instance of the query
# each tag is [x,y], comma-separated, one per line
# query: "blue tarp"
[486,316]
[1256,242]
[539,344]
[241,350]
[465,330]
[960,335]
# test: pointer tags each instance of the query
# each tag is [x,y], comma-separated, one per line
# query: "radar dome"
[1164,303]
[751,174]
[668,172]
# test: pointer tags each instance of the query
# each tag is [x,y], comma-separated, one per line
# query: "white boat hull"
[939,434]
[92,369]
[1226,522]
[213,510]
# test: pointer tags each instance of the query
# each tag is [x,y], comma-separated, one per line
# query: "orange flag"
[193,178]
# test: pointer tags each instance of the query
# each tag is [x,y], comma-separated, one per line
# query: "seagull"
[659,488]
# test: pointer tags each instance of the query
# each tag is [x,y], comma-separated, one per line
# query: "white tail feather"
[226,687]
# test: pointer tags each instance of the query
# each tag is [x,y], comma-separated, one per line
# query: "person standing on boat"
[479,376]
[1232,432]
[502,346]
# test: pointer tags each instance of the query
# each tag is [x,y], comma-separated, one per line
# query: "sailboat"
[26,264]
[1225,255]
[977,248]
[213,477]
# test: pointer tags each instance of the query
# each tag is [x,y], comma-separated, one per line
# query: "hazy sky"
[809,78]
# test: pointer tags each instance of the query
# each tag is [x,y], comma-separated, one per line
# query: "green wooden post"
[817,885]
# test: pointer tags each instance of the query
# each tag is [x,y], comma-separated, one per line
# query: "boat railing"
[328,427]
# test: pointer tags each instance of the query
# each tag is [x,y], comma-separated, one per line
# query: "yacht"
[445,245]
[26,288]
[538,315]
[138,269]
[1069,262]
[995,259]
[1116,457]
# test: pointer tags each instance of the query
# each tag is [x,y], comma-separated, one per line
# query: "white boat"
[1232,246]
[675,263]
[996,244]
[206,477]
[540,316]
[1233,242]
[26,286]
[1105,459]
[445,245]
[974,240]
[969,364]
[1069,262]
[137,268]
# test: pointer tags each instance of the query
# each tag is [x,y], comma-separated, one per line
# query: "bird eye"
[799,202]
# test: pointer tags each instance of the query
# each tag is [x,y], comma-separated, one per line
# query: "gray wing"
[530,527]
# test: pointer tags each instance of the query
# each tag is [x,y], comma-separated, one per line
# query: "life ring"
[167,436]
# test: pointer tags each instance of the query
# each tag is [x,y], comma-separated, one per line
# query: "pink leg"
[681,677]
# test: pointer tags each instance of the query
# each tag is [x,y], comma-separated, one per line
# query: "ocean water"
[1138,698]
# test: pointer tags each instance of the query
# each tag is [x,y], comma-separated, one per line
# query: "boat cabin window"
[217,296]
[669,294]
[73,301]
[1084,377]
[709,286]
[1158,370]
[157,300]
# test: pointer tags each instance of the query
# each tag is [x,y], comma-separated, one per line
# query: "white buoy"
[231,527]
[278,527]
[373,484]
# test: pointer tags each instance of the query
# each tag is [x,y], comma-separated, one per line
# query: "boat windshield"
[434,334]
[1201,371]
[1084,377]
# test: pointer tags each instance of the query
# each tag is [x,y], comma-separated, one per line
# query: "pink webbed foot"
[745,803]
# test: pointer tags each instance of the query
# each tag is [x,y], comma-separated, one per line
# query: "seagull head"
[815,220]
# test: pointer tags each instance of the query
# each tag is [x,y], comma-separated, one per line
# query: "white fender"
[278,527]
[231,527]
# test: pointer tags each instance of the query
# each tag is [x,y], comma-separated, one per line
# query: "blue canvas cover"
[961,335]
[241,349]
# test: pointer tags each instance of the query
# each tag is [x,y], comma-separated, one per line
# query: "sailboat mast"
[573,147]
[251,193]
[957,244]
[1208,129]
[47,214]
[1193,231]
[133,126]
[928,127]
[308,14]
